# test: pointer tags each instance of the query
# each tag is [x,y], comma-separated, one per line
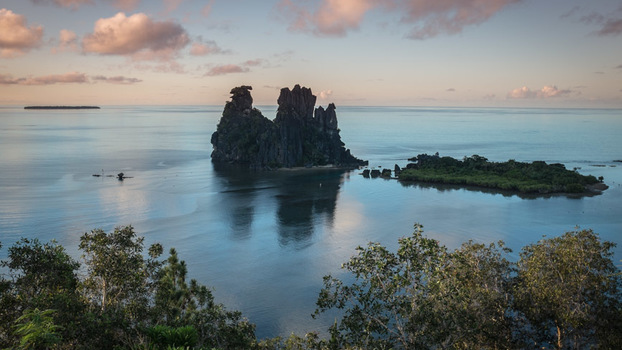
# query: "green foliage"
[37,329]
[43,277]
[163,337]
[564,293]
[570,291]
[535,177]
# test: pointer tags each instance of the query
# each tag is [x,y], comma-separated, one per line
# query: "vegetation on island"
[562,293]
[61,107]
[535,177]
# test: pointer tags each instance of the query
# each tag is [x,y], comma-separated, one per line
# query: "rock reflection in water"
[303,198]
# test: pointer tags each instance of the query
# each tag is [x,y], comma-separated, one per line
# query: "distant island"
[61,107]
[299,136]
[535,177]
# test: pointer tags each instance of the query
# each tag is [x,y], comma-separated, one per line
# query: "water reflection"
[300,199]
[504,193]
[304,201]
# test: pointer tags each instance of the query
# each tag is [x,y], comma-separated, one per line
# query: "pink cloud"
[71,4]
[116,80]
[207,9]
[428,18]
[137,36]
[432,18]
[226,69]
[545,92]
[16,38]
[203,49]
[333,18]
[126,5]
[171,5]
[68,41]
[67,78]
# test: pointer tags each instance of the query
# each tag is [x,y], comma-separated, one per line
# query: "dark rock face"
[298,136]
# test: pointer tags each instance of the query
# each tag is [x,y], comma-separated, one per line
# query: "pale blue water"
[263,241]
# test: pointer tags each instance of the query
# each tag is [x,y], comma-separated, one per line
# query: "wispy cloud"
[609,25]
[16,37]
[70,4]
[126,5]
[226,69]
[67,78]
[427,18]
[205,48]
[236,68]
[117,80]
[546,92]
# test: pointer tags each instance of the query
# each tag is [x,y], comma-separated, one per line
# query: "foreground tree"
[563,293]
[43,277]
[570,291]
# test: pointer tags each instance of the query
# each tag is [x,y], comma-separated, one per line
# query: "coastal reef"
[300,135]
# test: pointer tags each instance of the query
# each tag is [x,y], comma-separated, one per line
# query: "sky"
[454,53]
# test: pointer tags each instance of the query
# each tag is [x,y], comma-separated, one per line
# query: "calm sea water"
[263,241]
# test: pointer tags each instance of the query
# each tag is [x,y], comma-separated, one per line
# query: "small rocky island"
[61,107]
[300,135]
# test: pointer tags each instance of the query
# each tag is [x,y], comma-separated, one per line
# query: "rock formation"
[299,135]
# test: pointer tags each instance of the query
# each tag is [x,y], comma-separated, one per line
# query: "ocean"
[263,240]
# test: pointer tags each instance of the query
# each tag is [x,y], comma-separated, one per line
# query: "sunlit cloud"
[546,92]
[16,38]
[70,4]
[67,78]
[428,18]
[137,37]
[325,94]
[68,41]
[226,69]
[116,80]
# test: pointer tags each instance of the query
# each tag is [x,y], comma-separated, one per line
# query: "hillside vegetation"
[535,177]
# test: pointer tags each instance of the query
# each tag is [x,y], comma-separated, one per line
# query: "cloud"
[236,68]
[116,80]
[609,26]
[545,92]
[325,94]
[451,90]
[205,48]
[619,66]
[126,5]
[68,41]
[226,69]
[16,38]
[332,18]
[171,5]
[427,18]
[67,78]
[137,36]
[207,9]
[432,18]
[71,4]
